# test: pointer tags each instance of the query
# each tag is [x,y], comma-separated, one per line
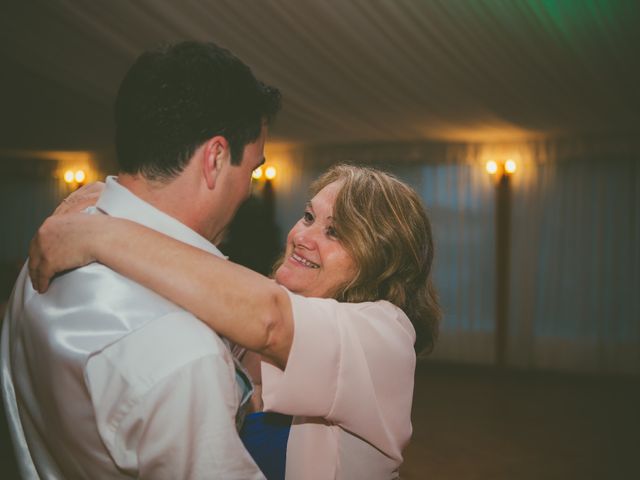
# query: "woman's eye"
[307,217]
[331,232]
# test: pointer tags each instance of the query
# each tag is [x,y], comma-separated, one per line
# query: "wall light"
[501,171]
[257,173]
[266,172]
[75,178]
[270,173]
[80,176]
[506,167]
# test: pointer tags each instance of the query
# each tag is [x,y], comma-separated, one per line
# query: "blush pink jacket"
[349,384]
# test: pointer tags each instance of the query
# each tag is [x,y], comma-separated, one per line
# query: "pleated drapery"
[574,275]
[362,70]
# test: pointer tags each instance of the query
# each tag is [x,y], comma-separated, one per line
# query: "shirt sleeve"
[351,364]
[170,420]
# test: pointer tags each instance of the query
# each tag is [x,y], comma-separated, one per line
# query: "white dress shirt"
[102,378]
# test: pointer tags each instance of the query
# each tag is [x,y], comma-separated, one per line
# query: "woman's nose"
[305,237]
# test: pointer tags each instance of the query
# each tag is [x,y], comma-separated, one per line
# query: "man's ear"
[216,155]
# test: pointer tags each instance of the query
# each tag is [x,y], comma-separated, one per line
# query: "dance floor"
[479,424]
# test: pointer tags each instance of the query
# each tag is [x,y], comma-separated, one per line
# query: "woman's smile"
[302,261]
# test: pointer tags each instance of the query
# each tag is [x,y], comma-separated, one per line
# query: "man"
[101,377]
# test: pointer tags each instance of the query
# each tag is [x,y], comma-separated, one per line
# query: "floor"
[479,424]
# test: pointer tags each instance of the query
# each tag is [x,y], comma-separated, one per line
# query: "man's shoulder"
[164,346]
[109,310]
[106,287]
[143,309]
[157,338]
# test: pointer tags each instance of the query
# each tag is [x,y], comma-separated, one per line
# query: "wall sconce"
[507,167]
[268,173]
[75,178]
[265,175]
[502,172]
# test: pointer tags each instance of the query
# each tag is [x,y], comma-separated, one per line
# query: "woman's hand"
[84,197]
[64,241]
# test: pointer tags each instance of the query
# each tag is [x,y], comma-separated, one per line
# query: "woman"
[336,342]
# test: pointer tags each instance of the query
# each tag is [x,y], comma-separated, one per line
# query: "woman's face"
[315,262]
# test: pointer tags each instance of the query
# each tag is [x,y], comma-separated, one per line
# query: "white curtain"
[575,246]
[29,192]
[459,199]
[575,266]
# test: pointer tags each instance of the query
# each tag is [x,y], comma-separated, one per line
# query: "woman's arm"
[244,306]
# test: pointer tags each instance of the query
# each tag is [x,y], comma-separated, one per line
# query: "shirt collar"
[120,202]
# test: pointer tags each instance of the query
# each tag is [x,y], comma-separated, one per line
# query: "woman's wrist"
[101,237]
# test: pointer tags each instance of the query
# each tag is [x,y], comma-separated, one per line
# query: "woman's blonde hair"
[382,223]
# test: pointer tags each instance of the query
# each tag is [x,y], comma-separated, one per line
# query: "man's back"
[101,378]
[112,380]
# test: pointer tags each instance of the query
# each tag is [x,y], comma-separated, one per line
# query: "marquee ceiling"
[350,70]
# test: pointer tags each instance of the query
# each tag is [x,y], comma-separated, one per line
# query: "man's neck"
[170,197]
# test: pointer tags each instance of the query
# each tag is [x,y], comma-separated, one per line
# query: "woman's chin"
[279,275]
[283,277]
[288,279]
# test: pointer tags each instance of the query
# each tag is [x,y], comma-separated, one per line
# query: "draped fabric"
[459,198]
[29,192]
[575,274]
[350,70]
[575,245]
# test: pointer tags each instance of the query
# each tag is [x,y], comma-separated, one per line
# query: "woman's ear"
[216,155]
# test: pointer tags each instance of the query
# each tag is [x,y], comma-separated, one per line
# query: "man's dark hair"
[175,98]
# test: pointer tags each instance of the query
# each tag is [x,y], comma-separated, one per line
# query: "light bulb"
[257,173]
[492,167]
[270,173]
